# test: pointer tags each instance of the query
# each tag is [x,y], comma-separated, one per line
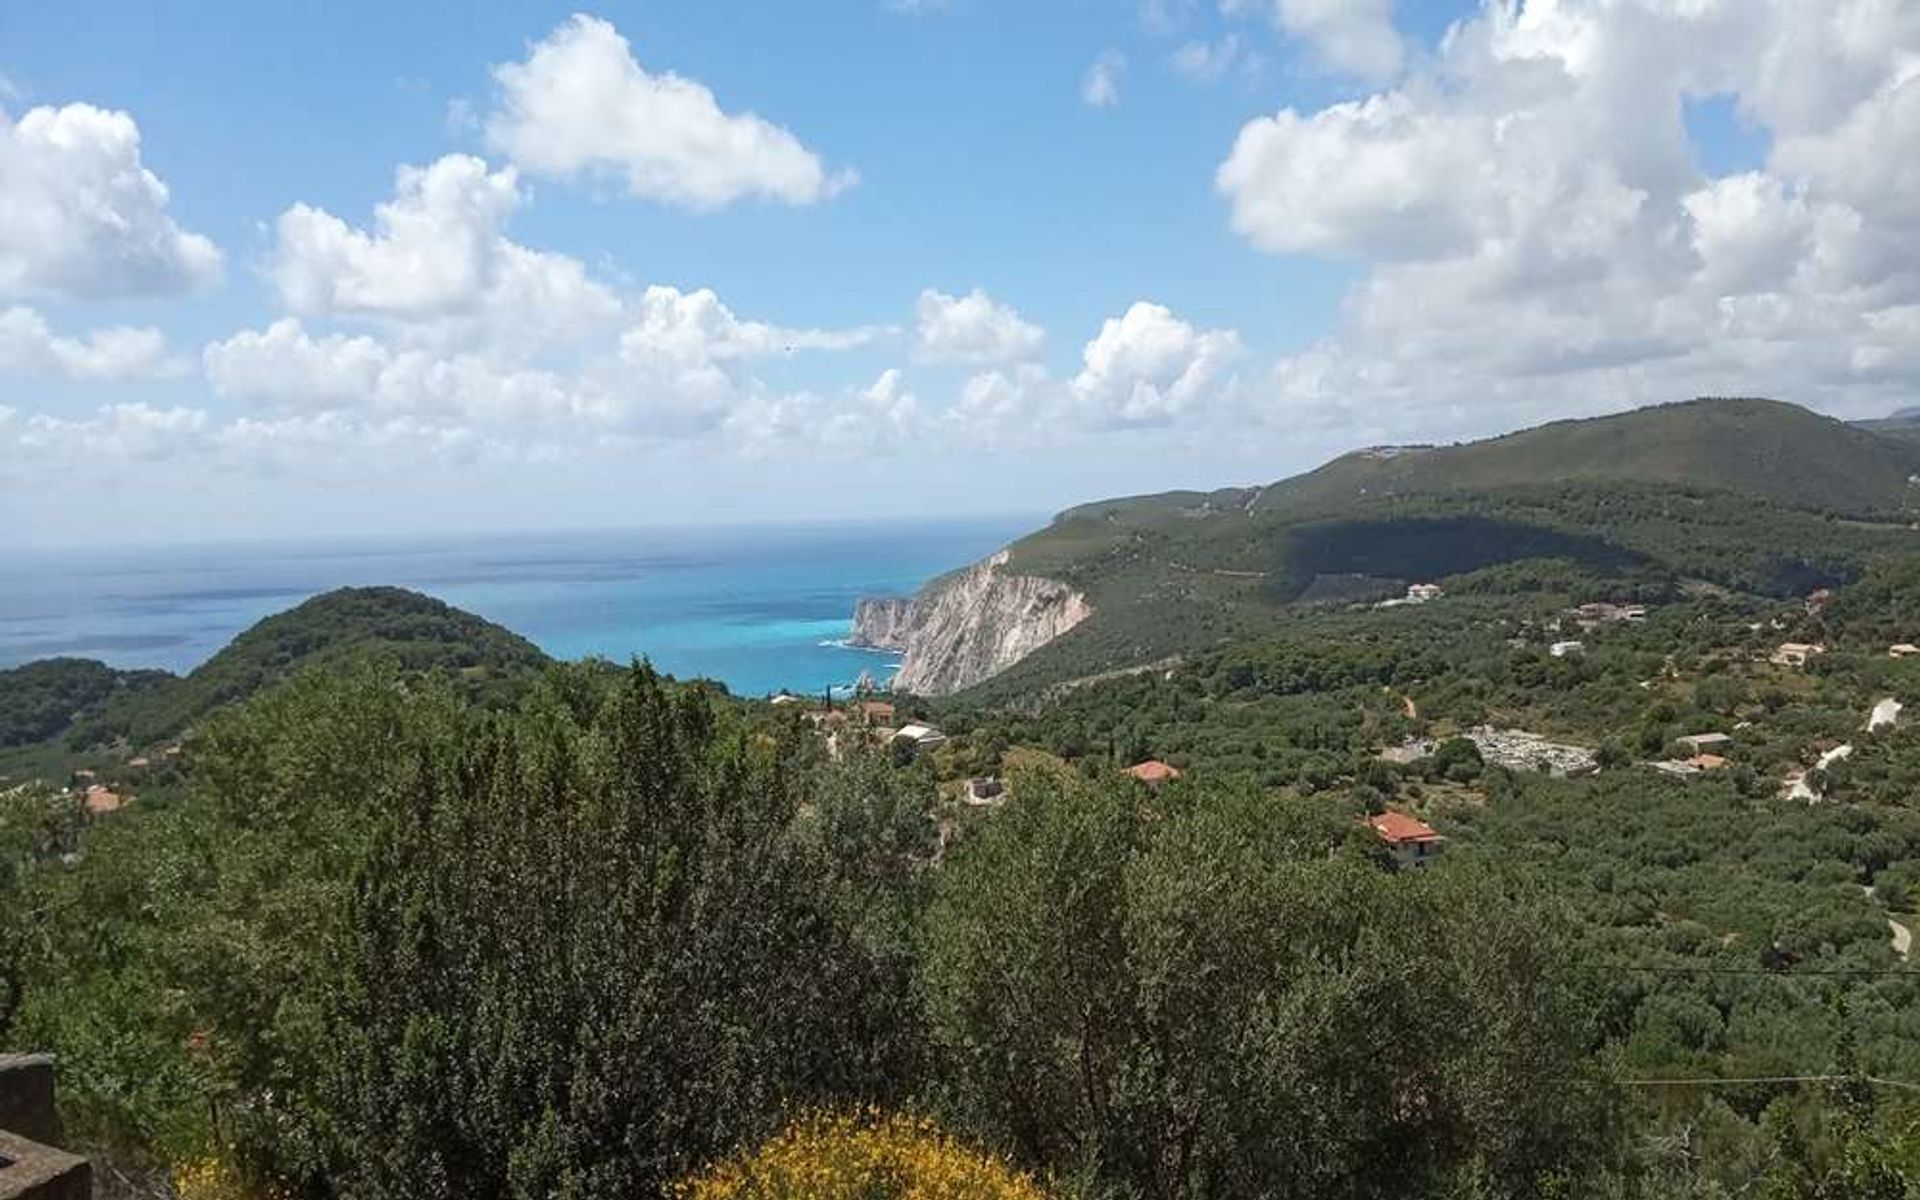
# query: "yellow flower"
[864,1155]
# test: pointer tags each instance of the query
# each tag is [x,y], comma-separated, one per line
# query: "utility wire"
[1751,1079]
[1798,972]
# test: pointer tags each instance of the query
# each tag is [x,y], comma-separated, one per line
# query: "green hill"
[1750,495]
[43,699]
[1757,447]
[87,703]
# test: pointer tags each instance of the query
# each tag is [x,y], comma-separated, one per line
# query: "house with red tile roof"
[102,800]
[1412,842]
[1153,771]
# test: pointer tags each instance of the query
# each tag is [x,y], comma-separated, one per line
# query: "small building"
[1153,771]
[1603,611]
[1885,715]
[1795,654]
[103,800]
[1706,762]
[1563,649]
[1413,843]
[923,737]
[1420,593]
[877,712]
[1704,743]
[986,790]
[1902,650]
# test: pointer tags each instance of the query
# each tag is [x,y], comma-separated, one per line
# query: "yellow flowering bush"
[862,1156]
[214,1178]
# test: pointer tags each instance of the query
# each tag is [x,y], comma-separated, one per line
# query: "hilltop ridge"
[86,702]
[1748,494]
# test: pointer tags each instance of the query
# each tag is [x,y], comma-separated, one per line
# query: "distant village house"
[1795,654]
[921,737]
[1413,843]
[1704,743]
[103,800]
[1153,771]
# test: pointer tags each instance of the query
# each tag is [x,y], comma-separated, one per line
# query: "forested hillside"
[1752,496]
[83,704]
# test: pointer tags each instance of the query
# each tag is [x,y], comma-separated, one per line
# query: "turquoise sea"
[758,607]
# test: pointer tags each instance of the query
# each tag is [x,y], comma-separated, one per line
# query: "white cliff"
[964,627]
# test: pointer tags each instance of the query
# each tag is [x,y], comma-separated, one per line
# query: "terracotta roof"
[1707,762]
[1153,771]
[1396,828]
[877,710]
[101,801]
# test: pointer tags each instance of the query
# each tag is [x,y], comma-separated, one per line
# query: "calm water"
[756,607]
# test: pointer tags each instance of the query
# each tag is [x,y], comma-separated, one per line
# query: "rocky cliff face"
[965,627]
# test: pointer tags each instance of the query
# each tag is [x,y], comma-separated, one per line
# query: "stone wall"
[30,1169]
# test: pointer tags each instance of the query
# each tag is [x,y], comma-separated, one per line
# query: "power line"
[1753,1079]
[1798,972]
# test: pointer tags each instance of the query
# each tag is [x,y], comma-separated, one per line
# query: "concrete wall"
[31,1171]
[29,1168]
[26,1097]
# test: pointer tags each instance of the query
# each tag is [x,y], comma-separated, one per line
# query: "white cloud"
[288,369]
[1100,88]
[678,368]
[80,215]
[882,415]
[581,104]
[1207,61]
[28,343]
[1147,366]
[436,263]
[974,328]
[1353,37]
[1537,238]
[669,324]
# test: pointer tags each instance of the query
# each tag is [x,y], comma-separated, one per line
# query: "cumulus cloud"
[667,323]
[1100,87]
[1147,366]
[1354,36]
[28,343]
[974,328]
[80,215]
[678,366]
[581,104]
[1535,230]
[287,369]
[882,415]
[435,259]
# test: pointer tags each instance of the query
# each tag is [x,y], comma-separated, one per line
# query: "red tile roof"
[1153,771]
[1396,828]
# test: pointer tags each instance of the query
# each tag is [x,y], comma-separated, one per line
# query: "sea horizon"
[761,607]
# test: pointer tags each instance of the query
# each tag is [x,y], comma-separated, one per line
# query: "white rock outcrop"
[965,627]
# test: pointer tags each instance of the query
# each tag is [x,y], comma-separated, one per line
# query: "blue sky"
[1280,229]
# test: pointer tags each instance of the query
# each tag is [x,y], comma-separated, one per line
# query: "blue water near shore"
[759,608]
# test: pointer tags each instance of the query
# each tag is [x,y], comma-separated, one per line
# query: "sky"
[294,270]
